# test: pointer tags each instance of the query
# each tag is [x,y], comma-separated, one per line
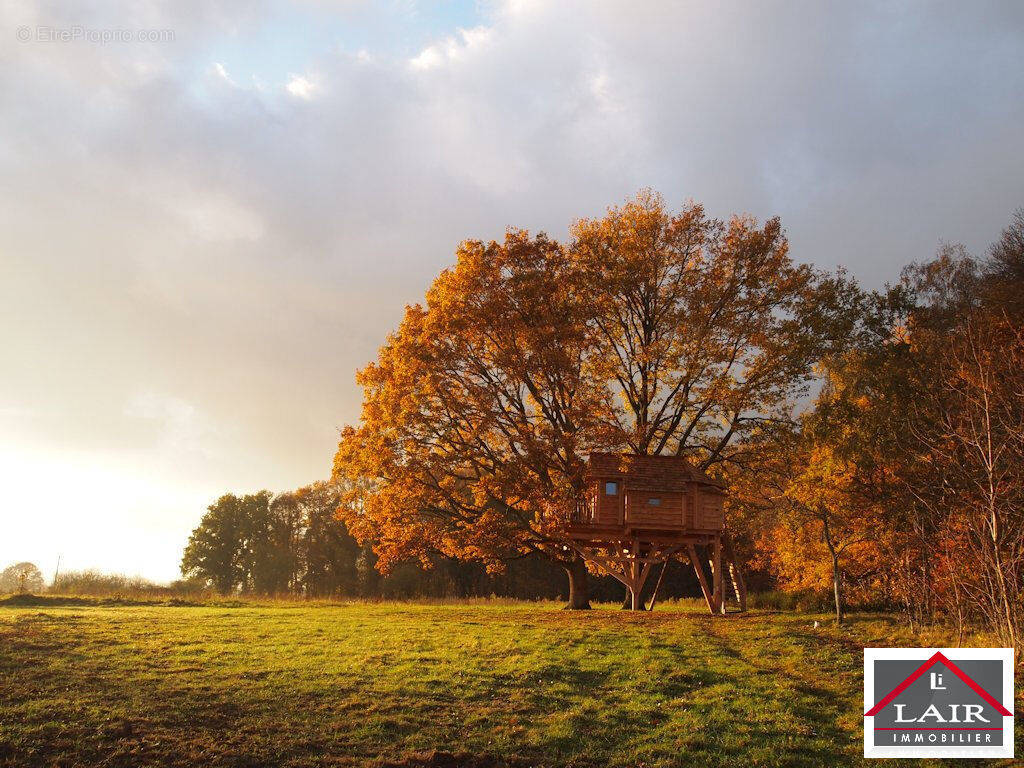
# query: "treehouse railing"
[582,513]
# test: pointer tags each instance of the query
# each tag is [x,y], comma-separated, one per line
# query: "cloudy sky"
[212,214]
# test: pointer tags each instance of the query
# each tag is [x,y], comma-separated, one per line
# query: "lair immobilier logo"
[947,702]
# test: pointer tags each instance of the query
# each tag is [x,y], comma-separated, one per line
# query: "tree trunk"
[1009,632]
[636,600]
[837,589]
[579,586]
[836,578]
[959,611]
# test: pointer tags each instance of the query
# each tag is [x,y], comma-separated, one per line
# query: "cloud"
[302,87]
[217,218]
[180,427]
[220,71]
[453,48]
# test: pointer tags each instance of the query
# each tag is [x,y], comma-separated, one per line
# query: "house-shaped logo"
[922,702]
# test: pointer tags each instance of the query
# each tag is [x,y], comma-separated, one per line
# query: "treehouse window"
[611,489]
[654,502]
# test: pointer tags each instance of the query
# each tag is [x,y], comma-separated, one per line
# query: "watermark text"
[77,33]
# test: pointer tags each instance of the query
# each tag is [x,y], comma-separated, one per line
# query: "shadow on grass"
[35,601]
[441,759]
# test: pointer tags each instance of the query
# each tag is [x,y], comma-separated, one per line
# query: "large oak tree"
[649,332]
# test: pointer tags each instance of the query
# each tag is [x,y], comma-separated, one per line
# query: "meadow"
[117,683]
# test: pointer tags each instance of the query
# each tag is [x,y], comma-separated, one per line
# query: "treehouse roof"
[662,473]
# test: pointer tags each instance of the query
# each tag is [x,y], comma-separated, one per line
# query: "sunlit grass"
[350,684]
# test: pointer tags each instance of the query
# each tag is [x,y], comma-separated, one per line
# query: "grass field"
[429,685]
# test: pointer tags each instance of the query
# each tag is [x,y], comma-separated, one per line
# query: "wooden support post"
[716,574]
[735,574]
[691,552]
[625,563]
[665,555]
[641,570]
[657,585]
[645,572]
[633,588]
[633,569]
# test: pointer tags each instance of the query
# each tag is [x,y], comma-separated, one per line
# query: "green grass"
[414,684]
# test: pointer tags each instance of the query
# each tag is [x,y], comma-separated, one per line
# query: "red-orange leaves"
[652,332]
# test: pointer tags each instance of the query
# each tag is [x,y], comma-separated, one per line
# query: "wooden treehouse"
[641,511]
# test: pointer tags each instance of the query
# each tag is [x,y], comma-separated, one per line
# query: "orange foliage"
[650,333]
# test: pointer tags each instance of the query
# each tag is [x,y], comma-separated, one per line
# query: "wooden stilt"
[691,552]
[735,574]
[642,569]
[634,575]
[633,569]
[631,563]
[657,586]
[716,574]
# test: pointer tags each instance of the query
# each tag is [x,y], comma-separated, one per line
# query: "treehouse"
[637,512]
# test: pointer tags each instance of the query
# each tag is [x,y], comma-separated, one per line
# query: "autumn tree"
[700,330]
[978,445]
[930,397]
[650,332]
[472,414]
[816,530]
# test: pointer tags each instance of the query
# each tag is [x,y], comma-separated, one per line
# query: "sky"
[212,214]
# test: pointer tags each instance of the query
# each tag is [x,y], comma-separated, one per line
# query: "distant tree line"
[266,544]
[98,583]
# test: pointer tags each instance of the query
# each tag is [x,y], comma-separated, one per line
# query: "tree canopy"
[289,543]
[913,450]
[649,331]
[21,577]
